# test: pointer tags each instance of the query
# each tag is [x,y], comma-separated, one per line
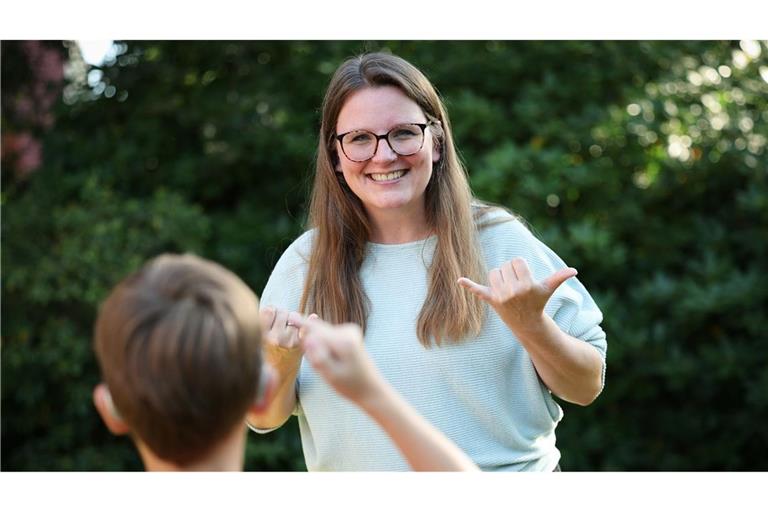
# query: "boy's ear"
[102,399]
[266,391]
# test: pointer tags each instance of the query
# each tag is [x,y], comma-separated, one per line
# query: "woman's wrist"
[283,359]
[531,328]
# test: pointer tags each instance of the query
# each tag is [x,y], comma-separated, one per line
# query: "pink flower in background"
[23,152]
[31,108]
[47,67]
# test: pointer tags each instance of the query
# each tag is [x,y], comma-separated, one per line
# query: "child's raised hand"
[336,352]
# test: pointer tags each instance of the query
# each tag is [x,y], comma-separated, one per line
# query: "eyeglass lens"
[404,140]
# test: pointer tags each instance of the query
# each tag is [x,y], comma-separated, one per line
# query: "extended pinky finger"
[483,292]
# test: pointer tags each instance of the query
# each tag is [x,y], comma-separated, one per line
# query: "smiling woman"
[398,245]
[389,179]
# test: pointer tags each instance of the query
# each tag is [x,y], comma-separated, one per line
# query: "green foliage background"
[643,164]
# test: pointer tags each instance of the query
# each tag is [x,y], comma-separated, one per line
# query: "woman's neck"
[398,226]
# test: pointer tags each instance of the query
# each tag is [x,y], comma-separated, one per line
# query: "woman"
[398,245]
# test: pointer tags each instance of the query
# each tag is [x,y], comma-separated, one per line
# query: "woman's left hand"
[515,296]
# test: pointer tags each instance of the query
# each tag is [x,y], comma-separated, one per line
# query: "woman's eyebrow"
[392,126]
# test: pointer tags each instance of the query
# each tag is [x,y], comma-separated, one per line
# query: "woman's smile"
[388,177]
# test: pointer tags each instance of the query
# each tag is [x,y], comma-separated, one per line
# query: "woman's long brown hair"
[333,289]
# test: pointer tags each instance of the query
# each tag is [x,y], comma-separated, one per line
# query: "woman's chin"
[390,204]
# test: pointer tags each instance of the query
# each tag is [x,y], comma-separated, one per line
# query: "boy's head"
[179,346]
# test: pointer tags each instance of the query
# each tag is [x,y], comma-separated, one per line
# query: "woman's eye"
[404,133]
[361,138]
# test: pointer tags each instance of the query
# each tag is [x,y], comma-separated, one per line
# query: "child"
[179,346]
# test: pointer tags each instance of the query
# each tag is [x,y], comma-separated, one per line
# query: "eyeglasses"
[403,139]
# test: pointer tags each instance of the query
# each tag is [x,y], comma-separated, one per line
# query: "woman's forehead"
[378,109]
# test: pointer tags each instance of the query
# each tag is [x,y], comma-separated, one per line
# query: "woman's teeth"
[387,177]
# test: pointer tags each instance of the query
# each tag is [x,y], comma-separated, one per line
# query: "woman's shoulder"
[497,220]
[303,243]
[297,253]
[286,281]
[504,235]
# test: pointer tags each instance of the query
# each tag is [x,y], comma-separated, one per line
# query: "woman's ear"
[334,154]
[437,134]
[102,399]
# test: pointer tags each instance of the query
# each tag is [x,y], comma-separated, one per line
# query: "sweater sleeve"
[571,306]
[286,282]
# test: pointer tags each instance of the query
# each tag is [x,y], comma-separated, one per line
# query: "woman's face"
[387,181]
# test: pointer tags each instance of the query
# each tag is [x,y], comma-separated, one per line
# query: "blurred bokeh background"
[643,164]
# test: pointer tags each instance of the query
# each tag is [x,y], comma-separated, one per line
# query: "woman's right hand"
[282,351]
[280,335]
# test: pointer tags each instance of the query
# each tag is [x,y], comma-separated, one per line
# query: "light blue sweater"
[484,393]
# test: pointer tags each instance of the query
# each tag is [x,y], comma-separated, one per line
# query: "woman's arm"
[571,368]
[282,350]
[337,354]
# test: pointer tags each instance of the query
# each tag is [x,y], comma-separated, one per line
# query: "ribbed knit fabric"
[484,393]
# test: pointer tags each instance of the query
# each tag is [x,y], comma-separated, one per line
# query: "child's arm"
[337,354]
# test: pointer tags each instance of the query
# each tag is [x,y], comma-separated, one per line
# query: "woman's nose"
[383,152]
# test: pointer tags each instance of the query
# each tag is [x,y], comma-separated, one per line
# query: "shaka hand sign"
[515,296]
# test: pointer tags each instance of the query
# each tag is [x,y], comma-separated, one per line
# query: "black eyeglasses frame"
[385,136]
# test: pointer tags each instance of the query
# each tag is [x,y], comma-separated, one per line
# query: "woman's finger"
[523,273]
[281,319]
[295,319]
[298,320]
[508,274]
[496,281]
[551,283]
[267,318]
[483,292]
